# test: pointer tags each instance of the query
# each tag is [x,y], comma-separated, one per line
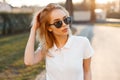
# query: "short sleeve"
[88,49]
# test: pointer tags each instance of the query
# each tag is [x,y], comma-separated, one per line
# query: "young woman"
[67,57]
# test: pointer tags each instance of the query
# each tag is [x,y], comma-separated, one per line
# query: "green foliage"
[11,59]
[14,22]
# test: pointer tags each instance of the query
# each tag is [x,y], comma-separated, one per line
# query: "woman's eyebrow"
[65,16]
[56,19]
[60,18]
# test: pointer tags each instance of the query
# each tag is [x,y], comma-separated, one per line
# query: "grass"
[11,59]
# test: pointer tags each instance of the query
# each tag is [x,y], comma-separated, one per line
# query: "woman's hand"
[36,22]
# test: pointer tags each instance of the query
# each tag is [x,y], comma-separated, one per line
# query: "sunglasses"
[59,23]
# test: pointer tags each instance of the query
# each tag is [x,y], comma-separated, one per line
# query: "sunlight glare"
[98,10]
[19,3]
[103,1]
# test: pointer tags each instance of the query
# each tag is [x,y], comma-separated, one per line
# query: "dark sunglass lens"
[58,24]
[67,20]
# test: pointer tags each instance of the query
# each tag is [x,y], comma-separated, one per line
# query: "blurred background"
[98,20]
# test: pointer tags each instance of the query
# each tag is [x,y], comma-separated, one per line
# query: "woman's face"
[56,17]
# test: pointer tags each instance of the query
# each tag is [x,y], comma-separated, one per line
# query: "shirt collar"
[67,44]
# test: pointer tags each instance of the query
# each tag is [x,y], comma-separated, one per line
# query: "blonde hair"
[42,18]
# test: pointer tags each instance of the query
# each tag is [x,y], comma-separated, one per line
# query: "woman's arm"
[31,57]
[87,69]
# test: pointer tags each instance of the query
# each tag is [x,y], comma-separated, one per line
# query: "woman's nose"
[63,23]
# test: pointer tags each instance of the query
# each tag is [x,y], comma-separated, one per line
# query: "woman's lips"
[65,30]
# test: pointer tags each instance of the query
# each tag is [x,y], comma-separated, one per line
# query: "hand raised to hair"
[36,22]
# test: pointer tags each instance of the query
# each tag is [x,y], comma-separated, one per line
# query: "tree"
[93,16]
[69,7]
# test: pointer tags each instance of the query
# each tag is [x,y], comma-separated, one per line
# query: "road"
[106,44]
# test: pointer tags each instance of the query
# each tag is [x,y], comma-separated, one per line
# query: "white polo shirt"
[67,62]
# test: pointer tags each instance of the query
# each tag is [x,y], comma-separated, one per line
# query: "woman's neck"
[60,41]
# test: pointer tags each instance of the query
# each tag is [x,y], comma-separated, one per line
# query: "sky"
[19,3]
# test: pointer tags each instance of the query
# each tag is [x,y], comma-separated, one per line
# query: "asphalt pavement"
[105,41]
